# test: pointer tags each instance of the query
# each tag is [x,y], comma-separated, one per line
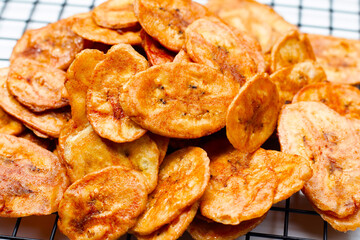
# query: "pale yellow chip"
[289,80]
[48,123]
[344,99]
[293,47]
[115,14]
[103,108]
[183,177]
[174,229]
[339,57]
[318,133]
[201,229]
[103,205]
[37,86]
[87,28]
[251,117]
[242,185]
[33,179]
[187,105]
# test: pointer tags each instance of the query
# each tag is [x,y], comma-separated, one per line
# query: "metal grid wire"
[328,17]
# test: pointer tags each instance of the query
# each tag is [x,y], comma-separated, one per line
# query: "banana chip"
[87,28]
[167,20]
[242,186]
[48,123]
[55,44]
[339,57]
[176,228]
[290,80]
[42,142]
[293,47]
[115,14]
[344,99]
[291,171]
[201,229]
[103,109]
[316,132]
[182,56]
[211,42]
[251,117]
[8,124]
[156,53]
[103,205]
[187,105]
[37,86]
[183,177]
[33,179]
[253,17]
[162,144]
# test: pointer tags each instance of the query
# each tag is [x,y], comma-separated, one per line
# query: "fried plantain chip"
[55,44]
[103,205]
[251,117]
[339,58]
[242,185]
[201,229]
[33,179]
[115,14]
[344,99]
[183,177]
[42,142]
[187,105]
[85,152]
[78,81]
[167,20]
[211,42]
[87,28]
[37,86]
[155,53]
[291,172]
[293,47]
[182,56]
[316,132]
[103,109]
[290,80]
[176,228]
[48,123]
[162,144]
[253,17]
[8,124]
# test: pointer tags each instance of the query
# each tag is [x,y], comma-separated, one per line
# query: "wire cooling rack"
[290,219]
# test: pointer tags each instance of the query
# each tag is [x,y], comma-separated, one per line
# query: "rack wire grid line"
[290,219]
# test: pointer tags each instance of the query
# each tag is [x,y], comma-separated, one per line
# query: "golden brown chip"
[78,81]
[87,28]
[344,99]
[211,42]
[187,105]
[182,56]
[293,47]
[316,132]
[201,229]
[156,53]
[33,179]
[290,80]
[183,177]
[291,172]
[251,117]
[255,18]
[8,124]
[85,152]
[42,142]
[103,205]
[115,14]
[103,109]
[48,123]
[167,20]
[55,44]
[339,57]
[162,144]
[174,229]
[242,186]
[37,86]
